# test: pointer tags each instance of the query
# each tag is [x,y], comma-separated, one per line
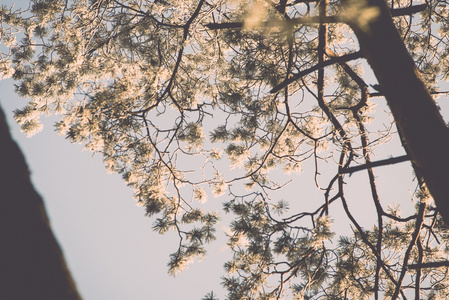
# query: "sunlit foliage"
[191,98]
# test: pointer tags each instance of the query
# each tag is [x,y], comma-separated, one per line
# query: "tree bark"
[32,265]
[424,133]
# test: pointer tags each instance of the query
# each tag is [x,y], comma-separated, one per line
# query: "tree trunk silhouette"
[424,133]
[32,265]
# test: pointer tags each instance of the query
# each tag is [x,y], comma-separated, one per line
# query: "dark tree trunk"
[424,133]
[32,265]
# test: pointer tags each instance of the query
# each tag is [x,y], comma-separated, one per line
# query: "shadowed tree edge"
[423,131]
[32,263]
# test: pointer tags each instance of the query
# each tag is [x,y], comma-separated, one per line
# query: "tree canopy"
[191,98]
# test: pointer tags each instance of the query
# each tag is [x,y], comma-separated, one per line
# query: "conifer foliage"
[193,98]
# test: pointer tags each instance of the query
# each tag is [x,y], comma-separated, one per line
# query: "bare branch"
[405,11]
[280,23]
[378,163]
[346,57]
[415,237]
[435,264]
[313,20]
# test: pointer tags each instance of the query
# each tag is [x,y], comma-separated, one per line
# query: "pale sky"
[108,243]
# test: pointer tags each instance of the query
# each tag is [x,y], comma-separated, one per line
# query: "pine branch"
[383,162]
[281,23]
[334,60]
[397,12]
[379,94]
[406,11]
[435,264]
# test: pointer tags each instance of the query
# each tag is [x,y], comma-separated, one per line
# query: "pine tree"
[242,99]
